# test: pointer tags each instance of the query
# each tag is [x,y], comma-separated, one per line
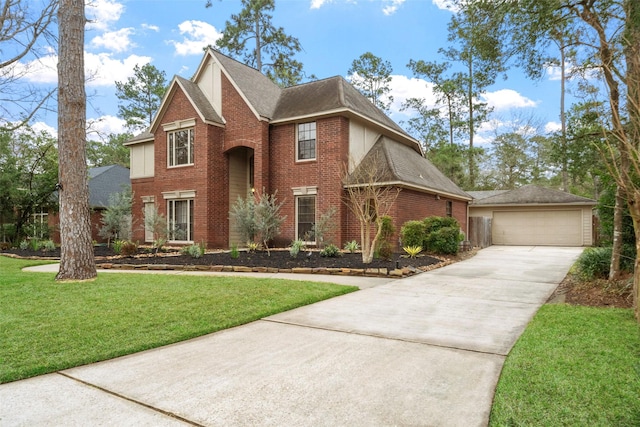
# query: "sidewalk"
[426,350]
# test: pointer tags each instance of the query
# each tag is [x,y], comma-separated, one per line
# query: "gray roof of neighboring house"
[104,181]
[485,193]
[261,92]
[396,163]
[533,195]
[201,103]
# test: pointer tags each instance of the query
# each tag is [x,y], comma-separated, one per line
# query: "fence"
[480,231]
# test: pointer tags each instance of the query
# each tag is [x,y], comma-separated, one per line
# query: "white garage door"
[544,228]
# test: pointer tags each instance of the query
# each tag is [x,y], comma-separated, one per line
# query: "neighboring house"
[230,131]
[532,215]
[103,182]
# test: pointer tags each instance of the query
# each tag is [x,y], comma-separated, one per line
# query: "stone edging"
[368,272]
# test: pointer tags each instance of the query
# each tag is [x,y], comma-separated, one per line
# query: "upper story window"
[180,147]
[449,208]
[306,146]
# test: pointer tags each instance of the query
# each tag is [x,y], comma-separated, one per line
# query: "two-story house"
[230,131]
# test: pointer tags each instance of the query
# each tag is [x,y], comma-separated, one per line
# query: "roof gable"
[398,164]
[196,98]
[259,92]
[534,195]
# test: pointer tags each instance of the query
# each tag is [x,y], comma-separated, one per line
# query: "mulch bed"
[259,261]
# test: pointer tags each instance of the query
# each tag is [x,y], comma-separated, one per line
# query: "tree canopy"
[371,75]
[140,96]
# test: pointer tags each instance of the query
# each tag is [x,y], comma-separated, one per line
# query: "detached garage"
[531,215]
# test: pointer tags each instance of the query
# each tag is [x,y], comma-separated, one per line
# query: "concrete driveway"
[426,350]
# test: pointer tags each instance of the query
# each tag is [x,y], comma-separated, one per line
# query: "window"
[40,225]
[305,217]
[449,208]
[306,147]
[180,220]
[180,150]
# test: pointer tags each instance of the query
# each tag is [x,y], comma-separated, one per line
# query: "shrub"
[117,246]
[24,245]
[412,251]
[445,240]
[413,233]
[253,246]
[435,223]
[351,246]
[594,263]
[128,248]
[35,244]
[385,248]
[235,254]
[194,251]
[325,225]
[48,245]
[330,251]
[296,246]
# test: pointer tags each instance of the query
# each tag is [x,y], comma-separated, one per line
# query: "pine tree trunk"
[76,249]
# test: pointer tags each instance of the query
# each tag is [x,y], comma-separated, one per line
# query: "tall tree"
[609,40]
[24,27]
[76,249]
[110,151]
[371,76]
[140,96]
[28,175]
[250,36]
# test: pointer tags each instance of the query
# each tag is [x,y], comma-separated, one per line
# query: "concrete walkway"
[423,351]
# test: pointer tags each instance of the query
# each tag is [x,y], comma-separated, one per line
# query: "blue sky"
[171,35]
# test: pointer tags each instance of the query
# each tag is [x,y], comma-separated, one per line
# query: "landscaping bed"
[259,261]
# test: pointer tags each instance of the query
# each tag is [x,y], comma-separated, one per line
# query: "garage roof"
[529,195]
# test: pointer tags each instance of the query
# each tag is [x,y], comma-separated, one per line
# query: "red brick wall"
[411,205]
[332,147]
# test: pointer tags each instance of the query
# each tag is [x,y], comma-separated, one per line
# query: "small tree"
[157,224]
[267,218]
[369,200]
[324,226]
[243,212]
[116,219]
[258,216]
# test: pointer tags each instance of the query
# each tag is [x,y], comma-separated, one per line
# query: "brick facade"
[275,170]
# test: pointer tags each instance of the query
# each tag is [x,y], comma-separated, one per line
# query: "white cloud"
[551,127]
[99,128]
[197,36]
[445,5]
[317,4]
[403,88]
[43,127]
[392,6]
[151,27]
[100,69]
[101,13]
[116,41]
[505,99]
[103,70]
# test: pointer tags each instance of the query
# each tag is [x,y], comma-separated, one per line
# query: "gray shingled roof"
[327,95]
[533,195]
[485,193]
[201,103]
[104,181]
[398,163]
[260,91]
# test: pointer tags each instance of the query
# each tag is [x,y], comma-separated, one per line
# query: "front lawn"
[47,326]
[573,366]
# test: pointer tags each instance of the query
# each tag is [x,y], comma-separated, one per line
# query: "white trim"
[179,194]
[148,199]
[305,191]
[412,187]
[315,141]
[315,213]
[179,124]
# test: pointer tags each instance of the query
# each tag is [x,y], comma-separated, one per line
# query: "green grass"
[573,366]
[46,326]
